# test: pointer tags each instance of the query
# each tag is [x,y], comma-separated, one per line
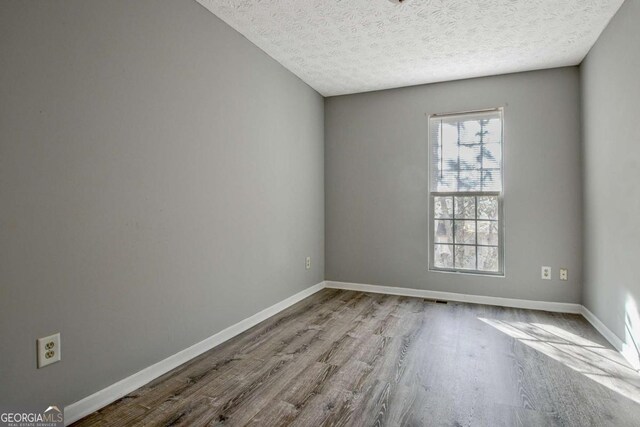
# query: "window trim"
[432,194]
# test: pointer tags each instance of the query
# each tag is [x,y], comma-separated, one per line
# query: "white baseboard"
[627,350]
[100,399]
[600,327]
[560,307]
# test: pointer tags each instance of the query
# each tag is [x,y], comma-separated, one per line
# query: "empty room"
[319,213]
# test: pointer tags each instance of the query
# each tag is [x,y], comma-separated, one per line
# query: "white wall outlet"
[564,274]
[48,350]
[307,264]
[546,273]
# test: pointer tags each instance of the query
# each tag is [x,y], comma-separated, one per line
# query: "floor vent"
[436,301]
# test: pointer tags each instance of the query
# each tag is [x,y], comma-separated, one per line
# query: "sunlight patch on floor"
[601,364]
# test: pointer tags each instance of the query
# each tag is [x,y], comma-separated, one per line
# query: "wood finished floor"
[350,358]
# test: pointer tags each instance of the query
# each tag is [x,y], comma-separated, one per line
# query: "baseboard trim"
[600,327]
[628,351]
[102,398]
[559,307]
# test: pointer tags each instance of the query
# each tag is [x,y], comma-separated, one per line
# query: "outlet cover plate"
[564,274]
[49,350]
[546,273]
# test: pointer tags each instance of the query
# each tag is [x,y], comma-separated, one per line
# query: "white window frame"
[433,194]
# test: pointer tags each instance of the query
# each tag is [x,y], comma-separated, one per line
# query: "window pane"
[443,207]
[449,148]
[443,231]
[470,131]
[446,181]
[443,256]
[493,130]
[465,207]
[470,158]
[488,207]
[465,257]
[488,233]
[465,147]
[491,156]
[491,180]
[470,180]
[465,232]
[488,259]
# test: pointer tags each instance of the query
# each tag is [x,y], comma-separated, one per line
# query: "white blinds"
[466,152]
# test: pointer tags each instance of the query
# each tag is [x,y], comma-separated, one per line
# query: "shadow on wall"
[601,364]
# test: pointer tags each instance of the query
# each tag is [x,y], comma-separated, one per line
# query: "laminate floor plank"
[358,359]
[249,391]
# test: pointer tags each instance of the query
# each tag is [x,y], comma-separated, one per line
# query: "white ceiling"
[349,46]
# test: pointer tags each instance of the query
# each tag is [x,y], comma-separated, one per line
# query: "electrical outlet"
[307,264]
[564,274]
[49,350]
[546,273]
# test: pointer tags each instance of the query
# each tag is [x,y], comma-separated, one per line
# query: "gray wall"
[611,129]
[161,178]
[376,184]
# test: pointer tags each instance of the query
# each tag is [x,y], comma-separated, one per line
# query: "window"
[466,232]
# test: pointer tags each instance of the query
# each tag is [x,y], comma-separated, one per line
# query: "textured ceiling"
[348,46]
